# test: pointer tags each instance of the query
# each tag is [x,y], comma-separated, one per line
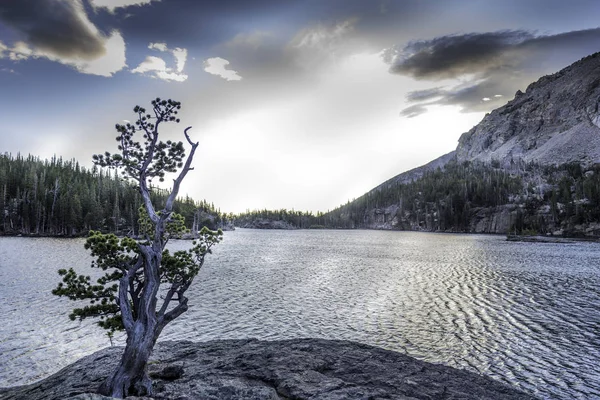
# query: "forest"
[295,219]
[542,200]
[58,197]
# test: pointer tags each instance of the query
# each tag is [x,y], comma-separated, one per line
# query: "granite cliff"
[555,121]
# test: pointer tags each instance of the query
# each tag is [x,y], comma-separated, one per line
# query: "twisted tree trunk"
[131,377]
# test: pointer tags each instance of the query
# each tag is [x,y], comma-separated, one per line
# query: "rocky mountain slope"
[531,165]
[556,121]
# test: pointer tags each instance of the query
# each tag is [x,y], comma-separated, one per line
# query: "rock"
[169,373]
[493,219]
[554,122]
[95,396]
[287,369]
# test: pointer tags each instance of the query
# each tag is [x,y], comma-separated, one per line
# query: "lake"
[527,314]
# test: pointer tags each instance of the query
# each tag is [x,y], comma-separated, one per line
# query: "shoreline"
[551,239]
[539,238]
[525,238]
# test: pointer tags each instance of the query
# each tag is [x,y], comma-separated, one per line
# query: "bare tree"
[126,296]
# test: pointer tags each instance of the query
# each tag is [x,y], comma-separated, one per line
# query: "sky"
[296,104]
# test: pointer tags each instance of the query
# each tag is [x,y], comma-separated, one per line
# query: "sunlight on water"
[523,313]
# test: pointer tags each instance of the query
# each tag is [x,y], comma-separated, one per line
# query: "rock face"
[556,121]
[289,369]
[493,219]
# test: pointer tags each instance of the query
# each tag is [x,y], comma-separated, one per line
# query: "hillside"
[531,166]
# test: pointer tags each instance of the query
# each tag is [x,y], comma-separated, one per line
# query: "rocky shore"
[288,369]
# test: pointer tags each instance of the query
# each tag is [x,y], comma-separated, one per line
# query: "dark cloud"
[188,23]
[413,111]
[55,26]
[449,56]
[427,94]
[495,65]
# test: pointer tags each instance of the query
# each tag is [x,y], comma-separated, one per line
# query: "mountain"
[530,166]
[556,121]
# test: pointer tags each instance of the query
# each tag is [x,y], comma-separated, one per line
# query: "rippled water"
[524,313]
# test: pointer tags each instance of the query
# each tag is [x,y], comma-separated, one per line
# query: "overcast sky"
[296,104]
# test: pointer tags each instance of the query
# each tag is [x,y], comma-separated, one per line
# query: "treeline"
[440,200]
[58,197]
[295,219]
[539,199]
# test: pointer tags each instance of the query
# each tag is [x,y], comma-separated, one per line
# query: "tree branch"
[124,305]
[145,192]
[168,299]
[144,168]
[182,173]
[175,312]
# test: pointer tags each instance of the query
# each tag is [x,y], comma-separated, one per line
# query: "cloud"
[322,36]
[59,27]
[180,58]
[111,5]
[112,61]
[20,51]
[251,40]
[156,67]
[427,94]
[489,67]
[315,44]
[413,111]
[158,46]
[455,55]
[217,66]
[59,30]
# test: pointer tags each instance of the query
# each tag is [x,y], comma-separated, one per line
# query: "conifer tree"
[138,270]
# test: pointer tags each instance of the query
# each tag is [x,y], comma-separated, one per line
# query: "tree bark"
[131,377]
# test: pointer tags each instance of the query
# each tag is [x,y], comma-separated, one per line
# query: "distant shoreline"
[509,237]
[551,239]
